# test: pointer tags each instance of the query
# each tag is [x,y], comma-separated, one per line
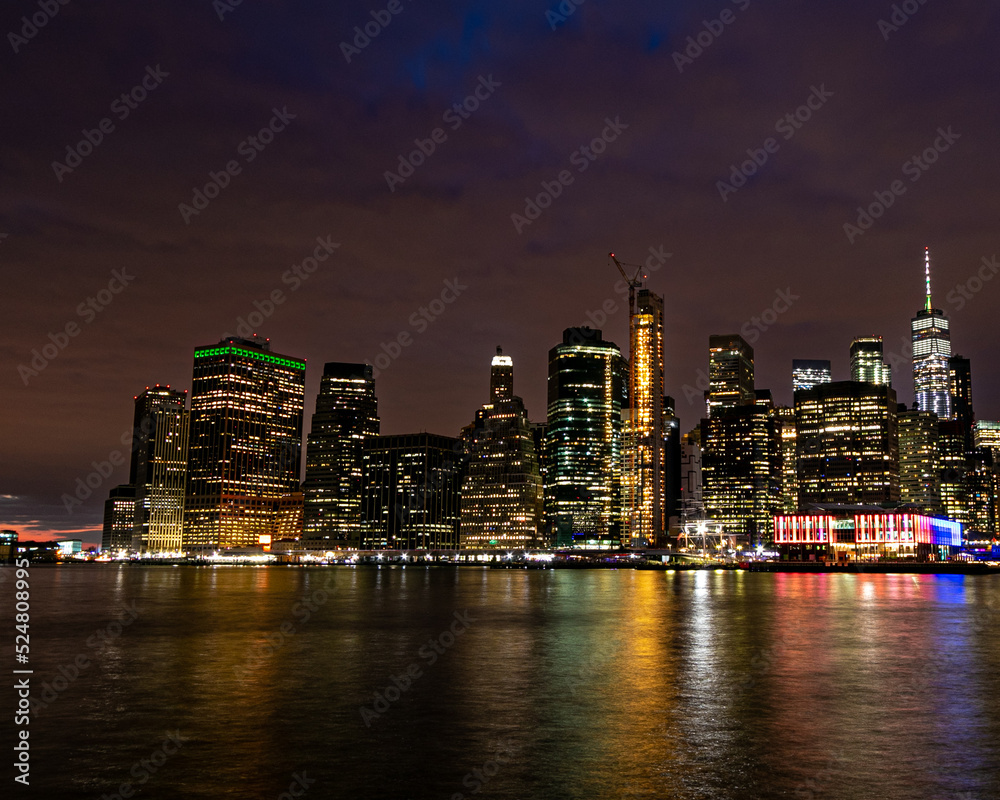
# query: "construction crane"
[632,282]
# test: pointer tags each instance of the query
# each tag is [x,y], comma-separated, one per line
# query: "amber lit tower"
[502,488]
[931,353]
[246,442]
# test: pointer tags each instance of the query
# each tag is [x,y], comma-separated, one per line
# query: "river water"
[413,682]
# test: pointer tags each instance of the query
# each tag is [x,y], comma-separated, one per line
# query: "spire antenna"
[927,278]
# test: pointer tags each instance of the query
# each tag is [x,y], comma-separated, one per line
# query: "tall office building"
[960,387]
[919,468]
[119,519]
[789,464]
[346,415]
[587,389]
[245,444]
[867,364]
[411,495]
[806,373]
[730,373]
[986,433]
[692,500]
[847,444]
[502,489]
[158,469]
[644,475]
[742,470]
[931,351]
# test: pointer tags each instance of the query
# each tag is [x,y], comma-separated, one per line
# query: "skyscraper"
[502,488]
[586,394]
[960,387]
[789,463]
[730,373]
[847,444]
[866,361]
[119,519]
[806,373]
[919,469]
[158,469]
[412,492]
[644,476]
[931,351]
[346,415]
[245,444]
[986,433]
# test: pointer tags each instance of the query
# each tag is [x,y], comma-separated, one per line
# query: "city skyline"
[435,258]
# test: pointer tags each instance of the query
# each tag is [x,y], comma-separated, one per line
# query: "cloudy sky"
[167,167]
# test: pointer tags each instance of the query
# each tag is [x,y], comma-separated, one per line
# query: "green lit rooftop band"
[218,351]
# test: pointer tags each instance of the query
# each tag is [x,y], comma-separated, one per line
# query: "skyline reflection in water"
[561,684]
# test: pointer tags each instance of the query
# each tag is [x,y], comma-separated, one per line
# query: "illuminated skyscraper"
[119,519]
[806,373]
[789,465]
[986,433]
[931,351]
[246,442]
[730,373]
[866,361]
[502,489]
[159,469]
[847,444]
[586,394]
[346,415]
[644,476]
[411,494]
[919,469]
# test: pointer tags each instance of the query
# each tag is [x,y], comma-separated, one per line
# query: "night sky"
[676,116]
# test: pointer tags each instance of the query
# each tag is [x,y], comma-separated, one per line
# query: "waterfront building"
[119,519]
[789,463]
[346,416]
[806,373]
[587,389]
[502,488]
[847,445]
[867,364]
[411,492]
[931,337]
[919,461]
[245,443]
[158,469]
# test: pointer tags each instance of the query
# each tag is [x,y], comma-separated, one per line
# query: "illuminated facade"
[645,470]
[866,361]
[847,444]
[346,415]
[986,434]
[953,463]
[159,469]
[730,373]
[919,467]
[411,492]
[865,533]
[245,444]
[742,470]
[119,519]
[502,488]
[931,352]
[806,373]
[587,389]
[789,463]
